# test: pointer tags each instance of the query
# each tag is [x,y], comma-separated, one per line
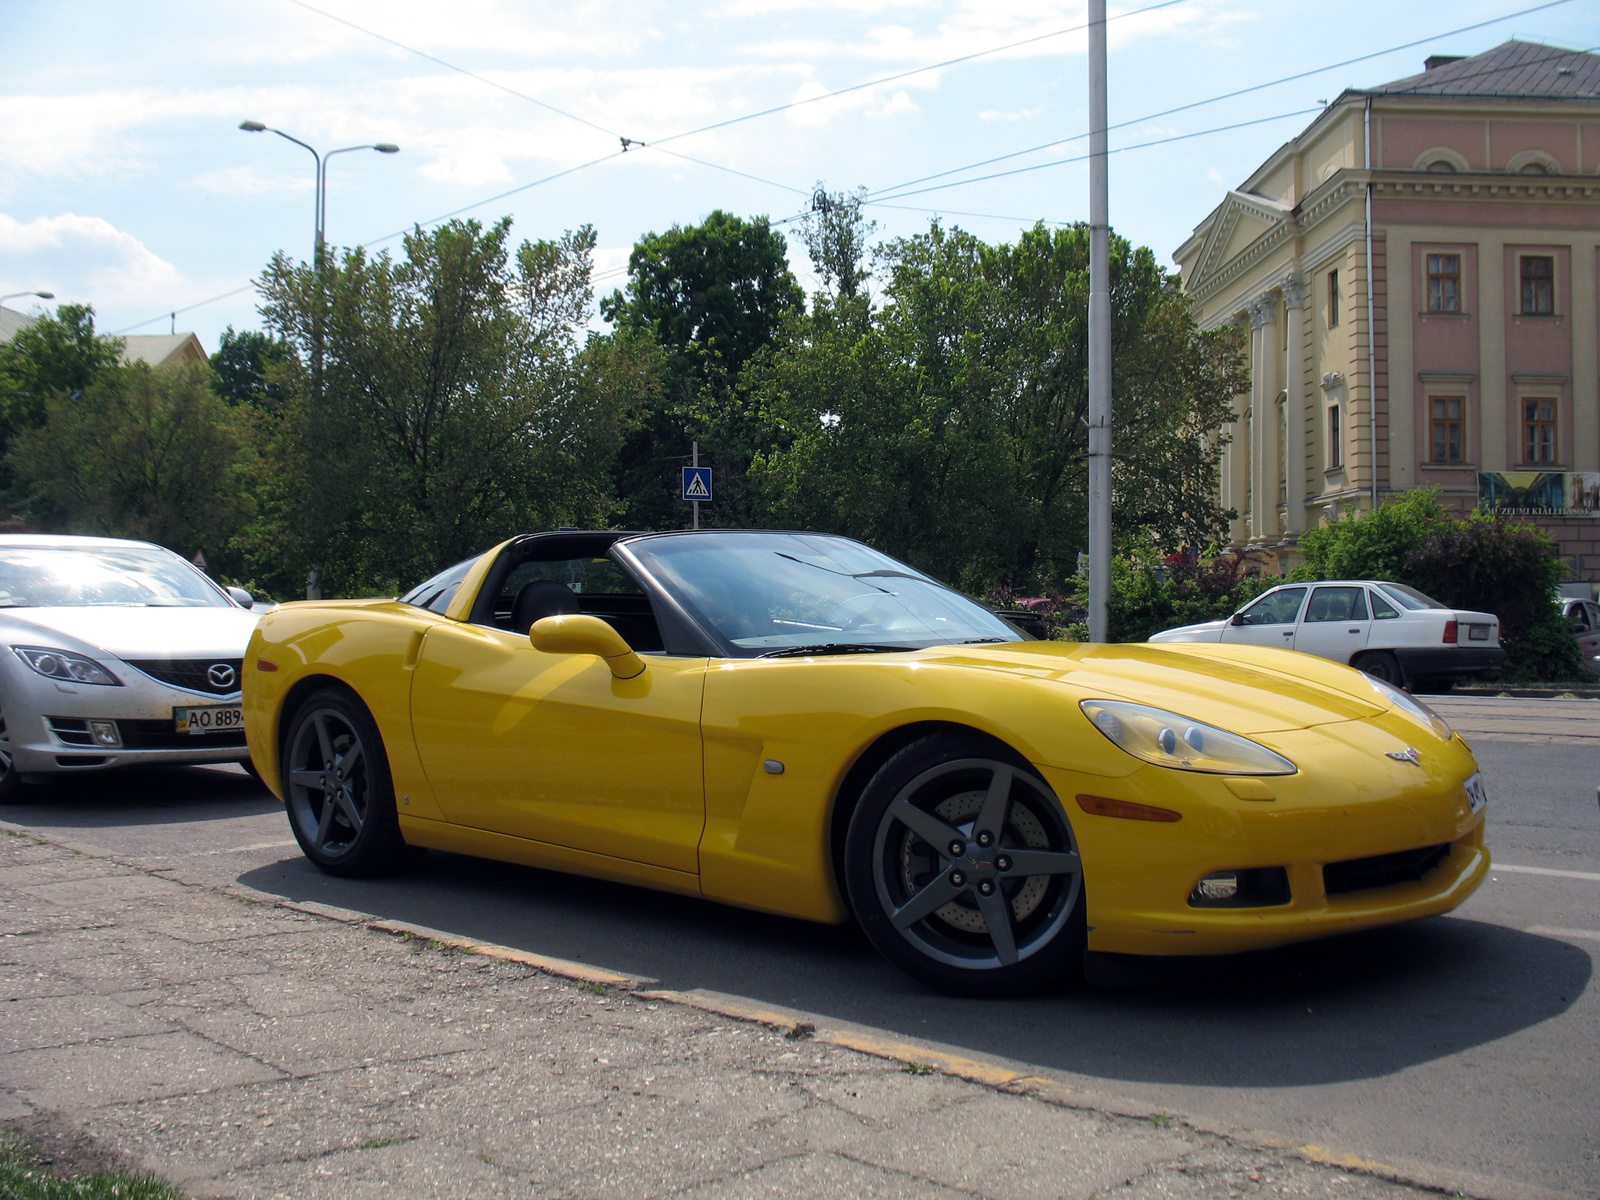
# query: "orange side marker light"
[266,664]
[1102,806]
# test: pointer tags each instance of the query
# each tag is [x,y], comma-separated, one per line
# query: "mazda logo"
[221,675]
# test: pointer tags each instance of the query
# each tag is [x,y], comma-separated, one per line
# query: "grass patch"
[24,1177]
[800,1032]
[589,985]
[375,1143]
[916,1068]
[1161,1120]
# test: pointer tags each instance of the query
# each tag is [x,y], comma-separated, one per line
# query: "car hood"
[1246,689]
[1206,631]
[135,632]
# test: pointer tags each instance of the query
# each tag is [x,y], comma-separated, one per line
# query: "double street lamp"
[322,175]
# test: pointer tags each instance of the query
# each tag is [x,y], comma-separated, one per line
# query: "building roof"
[1512,70]
[158,349]
[12,323]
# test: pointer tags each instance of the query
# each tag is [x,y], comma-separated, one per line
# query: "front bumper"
[46,722]
[1348,803]
[1420,662]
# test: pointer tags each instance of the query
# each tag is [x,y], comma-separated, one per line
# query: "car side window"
[1337,604]
[1382,609]
[1275,608]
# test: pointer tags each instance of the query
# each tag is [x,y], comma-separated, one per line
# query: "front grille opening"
[1249,887]
[1382,870]
[193,674]
[71,731]
[164,735]
[81,760]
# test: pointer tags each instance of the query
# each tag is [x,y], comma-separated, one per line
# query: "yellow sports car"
[796,723]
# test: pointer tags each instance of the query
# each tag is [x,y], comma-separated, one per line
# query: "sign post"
[697,484]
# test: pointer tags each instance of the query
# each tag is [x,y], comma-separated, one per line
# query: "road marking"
[1577,933]
[1592,876]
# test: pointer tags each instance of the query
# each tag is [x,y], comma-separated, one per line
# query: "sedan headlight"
[1412,707]
[1169,740]
[66,667]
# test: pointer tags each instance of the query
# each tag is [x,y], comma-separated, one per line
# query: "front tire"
[963,871]
[338,790]
[11,784]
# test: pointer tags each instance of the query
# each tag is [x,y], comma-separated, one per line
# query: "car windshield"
[71,577]
[1409,597]
[766,593]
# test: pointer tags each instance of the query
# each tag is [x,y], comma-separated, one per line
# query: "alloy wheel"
[975,865]
[328,784]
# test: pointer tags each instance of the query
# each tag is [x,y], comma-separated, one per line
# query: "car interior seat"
[539,599]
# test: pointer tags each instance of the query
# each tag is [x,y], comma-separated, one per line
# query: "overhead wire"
[1299,75]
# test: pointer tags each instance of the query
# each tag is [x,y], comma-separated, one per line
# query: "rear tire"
[1382,666]
[338,790]
[963,871]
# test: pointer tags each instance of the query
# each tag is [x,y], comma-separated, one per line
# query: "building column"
[1294,410]
[1263,417]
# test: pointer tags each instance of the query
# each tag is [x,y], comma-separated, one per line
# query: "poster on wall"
[1540,493]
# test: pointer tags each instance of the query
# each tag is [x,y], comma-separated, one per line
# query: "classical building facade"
[1418,274]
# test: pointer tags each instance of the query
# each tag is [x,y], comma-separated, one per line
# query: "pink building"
[1419,273]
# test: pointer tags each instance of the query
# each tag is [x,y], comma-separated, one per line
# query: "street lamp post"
[19,295]
[322,176]
[313,587]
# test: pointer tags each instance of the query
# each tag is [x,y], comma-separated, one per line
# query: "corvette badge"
[1409,754]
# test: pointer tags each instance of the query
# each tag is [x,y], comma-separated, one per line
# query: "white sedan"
[114,653]
[1390,631]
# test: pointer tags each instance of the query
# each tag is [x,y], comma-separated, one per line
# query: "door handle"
[1356,630]
[1288,633]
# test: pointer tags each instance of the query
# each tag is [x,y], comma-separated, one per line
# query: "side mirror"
[1238,619]
[241,597]
[579,633]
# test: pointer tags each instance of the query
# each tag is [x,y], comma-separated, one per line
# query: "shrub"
[1150,593]
[1486,563]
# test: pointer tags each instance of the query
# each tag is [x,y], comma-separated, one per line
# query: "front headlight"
[1169,740]
[1412,707]
[66,667]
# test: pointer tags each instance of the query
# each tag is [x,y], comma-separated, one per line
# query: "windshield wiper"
[978,641]
[834,648]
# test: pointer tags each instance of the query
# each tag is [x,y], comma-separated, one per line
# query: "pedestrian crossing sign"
[697,483]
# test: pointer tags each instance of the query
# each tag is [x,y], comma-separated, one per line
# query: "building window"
[1446,429]
[1333,299]
[1538,286]
[1539,430]
[1335,440]
[1444,283]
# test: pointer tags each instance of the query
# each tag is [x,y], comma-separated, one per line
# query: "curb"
[914,1054]
[1577,692]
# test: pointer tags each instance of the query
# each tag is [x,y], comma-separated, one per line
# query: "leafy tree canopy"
[247,364]
[55,354]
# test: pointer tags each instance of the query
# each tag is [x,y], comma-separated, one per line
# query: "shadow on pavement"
[1347,1008]
[141,796]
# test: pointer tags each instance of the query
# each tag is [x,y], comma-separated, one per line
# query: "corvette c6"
[796,723]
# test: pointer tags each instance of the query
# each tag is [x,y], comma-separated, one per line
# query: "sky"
[126,183]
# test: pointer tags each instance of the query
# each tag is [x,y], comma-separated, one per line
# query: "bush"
[1485,563]
[1150,593]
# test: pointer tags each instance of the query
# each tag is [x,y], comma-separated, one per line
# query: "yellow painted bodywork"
[509,752]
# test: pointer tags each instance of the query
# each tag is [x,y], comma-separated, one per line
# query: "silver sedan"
[114,653]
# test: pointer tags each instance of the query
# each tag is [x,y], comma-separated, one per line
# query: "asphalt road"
[1471,1040]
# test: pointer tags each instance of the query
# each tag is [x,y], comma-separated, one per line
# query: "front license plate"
[1478,633]
[216,718]
[1477,794]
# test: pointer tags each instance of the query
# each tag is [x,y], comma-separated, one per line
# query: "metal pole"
[695,462]
[1099,337]
[1372,332]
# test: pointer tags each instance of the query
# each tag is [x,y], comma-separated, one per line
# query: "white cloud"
[1021,114]
[84,258]
[247,181]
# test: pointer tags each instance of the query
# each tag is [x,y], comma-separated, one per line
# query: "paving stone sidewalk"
[246,1050]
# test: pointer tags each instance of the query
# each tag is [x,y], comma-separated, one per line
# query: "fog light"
[105,733]
[1219,885]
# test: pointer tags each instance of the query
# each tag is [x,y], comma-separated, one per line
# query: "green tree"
[459,404]
[950,426]
[248,365]
[140,453]
[55,355]
[836,234]
[712,296]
